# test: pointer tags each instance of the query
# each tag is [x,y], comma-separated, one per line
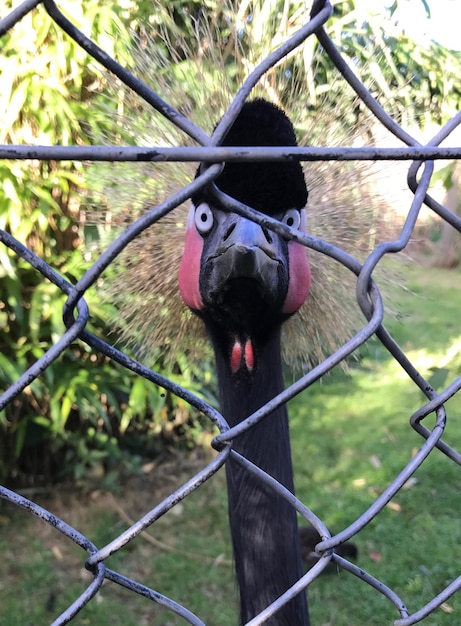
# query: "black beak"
[243,250]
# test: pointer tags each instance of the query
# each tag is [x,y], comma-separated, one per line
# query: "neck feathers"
[263,525]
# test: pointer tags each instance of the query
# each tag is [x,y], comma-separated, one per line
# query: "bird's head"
[241,278]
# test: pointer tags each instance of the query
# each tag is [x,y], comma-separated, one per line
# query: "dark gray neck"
[264,527]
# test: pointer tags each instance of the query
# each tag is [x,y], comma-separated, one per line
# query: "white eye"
[203,218]
[292,218]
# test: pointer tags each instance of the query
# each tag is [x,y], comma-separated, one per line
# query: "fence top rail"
[226,154]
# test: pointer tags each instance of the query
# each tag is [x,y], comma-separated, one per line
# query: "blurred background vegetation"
[84,413]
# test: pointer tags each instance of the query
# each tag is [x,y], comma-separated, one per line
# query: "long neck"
[263,525]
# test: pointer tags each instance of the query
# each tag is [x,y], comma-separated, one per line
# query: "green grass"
[350,437]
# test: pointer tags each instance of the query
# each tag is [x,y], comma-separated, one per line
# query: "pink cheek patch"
[189,269]
[300,277]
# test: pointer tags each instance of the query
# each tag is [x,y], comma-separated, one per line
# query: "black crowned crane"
[244,281]
[246,311]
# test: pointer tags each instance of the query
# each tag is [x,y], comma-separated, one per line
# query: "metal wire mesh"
[76,312]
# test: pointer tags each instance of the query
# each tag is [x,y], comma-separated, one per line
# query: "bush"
[84,411]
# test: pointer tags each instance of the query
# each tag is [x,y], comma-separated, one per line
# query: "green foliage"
[83,412]
[416,83]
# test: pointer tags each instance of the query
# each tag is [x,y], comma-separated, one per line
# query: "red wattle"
[189,269]
[249,355]
[300,277]
[236,357]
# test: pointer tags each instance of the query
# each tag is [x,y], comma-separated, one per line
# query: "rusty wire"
[76,313]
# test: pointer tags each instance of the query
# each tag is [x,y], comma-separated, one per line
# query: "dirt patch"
[100,513]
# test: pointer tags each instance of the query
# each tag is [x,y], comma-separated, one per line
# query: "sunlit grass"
[351,438]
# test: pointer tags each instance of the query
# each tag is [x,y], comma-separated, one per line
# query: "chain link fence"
[76,312]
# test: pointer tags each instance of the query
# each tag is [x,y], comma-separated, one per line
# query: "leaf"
[9,370]
[438,377]
[411,482]
[66,406]
[427,8]
[136,403]
[375,461]
[21,430]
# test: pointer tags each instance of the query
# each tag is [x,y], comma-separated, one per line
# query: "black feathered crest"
[269,187]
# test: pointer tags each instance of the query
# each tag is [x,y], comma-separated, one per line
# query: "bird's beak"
[245,251]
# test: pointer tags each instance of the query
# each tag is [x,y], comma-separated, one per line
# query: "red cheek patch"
[300,277]
[189,268]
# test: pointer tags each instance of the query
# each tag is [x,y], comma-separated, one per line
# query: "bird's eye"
[292,218]
[203,218]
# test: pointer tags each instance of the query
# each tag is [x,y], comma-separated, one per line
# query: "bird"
[244,281]
[309,537]
[151,317]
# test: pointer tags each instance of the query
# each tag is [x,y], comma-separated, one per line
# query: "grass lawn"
[350,437]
